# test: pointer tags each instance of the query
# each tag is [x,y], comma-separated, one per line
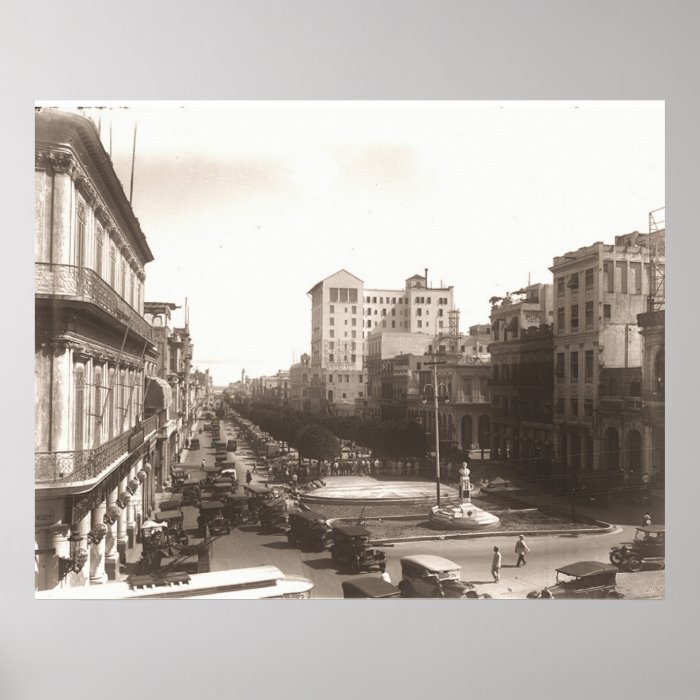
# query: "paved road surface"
[245,546]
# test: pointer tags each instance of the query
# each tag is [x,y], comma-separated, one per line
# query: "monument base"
[465,516]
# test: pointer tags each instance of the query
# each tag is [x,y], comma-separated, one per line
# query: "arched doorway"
[633,445]
[611,439]
[467,432]
[484,431]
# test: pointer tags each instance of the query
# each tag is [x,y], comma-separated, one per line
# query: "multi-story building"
[344,314]
[381,345]
[94,350]
[522,376]
[416,308]
[464,405]
[652,327]
[599,291]
[337,374]
[300,383]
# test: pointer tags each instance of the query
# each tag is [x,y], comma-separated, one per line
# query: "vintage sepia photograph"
[349,349]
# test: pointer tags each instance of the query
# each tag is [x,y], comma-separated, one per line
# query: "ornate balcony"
[81,284]
[64,468]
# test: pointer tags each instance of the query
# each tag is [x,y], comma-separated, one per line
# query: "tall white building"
[344,313]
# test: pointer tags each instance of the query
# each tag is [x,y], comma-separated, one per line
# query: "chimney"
[426,277]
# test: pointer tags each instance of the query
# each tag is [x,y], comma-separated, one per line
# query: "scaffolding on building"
[657,260]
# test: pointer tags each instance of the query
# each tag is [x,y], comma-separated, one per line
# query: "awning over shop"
[159,395]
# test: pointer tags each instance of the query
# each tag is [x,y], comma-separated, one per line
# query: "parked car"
[194,444]
[351,546]
[309,528]
[211,520]
[429,576]
[231,445]
[648,547]
[582,579]
[369,587]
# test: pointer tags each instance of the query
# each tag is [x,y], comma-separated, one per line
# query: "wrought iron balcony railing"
[85,285]
[64,468]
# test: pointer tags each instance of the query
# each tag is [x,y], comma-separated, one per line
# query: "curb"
[602,529]
[496,533]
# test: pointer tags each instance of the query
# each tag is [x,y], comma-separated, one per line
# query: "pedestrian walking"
[496,565]
[646,520]
[248,476]
[377,464]
[385,573]
[204,463]
[520,549]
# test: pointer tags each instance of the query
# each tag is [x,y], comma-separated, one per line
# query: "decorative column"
[131,508]
[81,530]
[97,547]
[122,538]
[111,554]
[58,541]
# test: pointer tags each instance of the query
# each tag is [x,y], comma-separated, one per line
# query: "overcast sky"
[246,205]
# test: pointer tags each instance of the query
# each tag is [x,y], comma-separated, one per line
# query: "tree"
[316,442]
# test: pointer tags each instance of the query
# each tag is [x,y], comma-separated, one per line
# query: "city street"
[246,546]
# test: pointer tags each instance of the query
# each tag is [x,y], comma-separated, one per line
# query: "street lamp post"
[435,386]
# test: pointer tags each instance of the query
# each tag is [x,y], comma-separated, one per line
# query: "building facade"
[599,291]
[653,327]
[300,383]
[522,363]
[94,353]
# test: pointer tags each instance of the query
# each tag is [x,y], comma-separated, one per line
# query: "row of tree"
[317,437]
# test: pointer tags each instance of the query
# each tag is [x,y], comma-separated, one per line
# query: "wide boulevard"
[246,546]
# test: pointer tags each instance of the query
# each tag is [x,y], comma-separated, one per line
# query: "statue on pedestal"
[465,486]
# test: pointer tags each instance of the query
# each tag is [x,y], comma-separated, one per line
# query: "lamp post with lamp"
[436,391]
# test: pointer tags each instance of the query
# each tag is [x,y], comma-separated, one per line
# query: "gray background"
[333,50]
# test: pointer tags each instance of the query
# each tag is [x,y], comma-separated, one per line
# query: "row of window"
[117,272]
[403,300]
[331,358]
[340,378]
[331,334]
[343,294]
[332,309]
[404,324]
[574,406]
[619,276]
[574,355]
[331,321]
[588,321]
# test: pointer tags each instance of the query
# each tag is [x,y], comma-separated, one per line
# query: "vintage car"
[194,444]
[211,520]
[369,587]
[583,579]
[429,576]
[231,445]
[311,529]
[179,477]
[172,503]
[174,531]
[351,546]
[648,547]
[273,516]
[259,494]
[236,509]
[190,492]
